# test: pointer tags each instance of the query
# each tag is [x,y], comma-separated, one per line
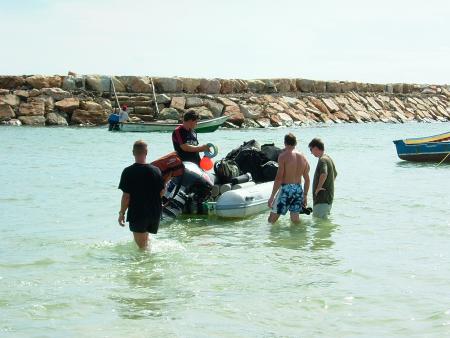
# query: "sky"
[384,41]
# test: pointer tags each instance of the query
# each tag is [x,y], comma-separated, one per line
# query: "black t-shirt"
[183,136]
[144,184]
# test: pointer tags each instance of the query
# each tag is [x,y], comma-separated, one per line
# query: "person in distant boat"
[123,115]
[184,139]
[142,186]
[323,182]
[115,118]
[287,193]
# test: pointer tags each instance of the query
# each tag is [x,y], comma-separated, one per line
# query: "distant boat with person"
[203,126]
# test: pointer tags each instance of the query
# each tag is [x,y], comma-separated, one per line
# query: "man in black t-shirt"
[184,139]
[142,185]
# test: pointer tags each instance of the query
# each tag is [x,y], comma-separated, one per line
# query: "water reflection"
[310,234]
[139,298]
[408,164]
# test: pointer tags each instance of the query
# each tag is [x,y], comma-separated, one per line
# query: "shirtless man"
[291,167]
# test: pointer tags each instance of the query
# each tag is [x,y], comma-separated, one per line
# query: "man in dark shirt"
[323,182]
[142,186]
[184,139]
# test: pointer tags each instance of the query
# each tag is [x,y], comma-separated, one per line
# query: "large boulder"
[56,93]
[91,106]
[263,122]
[178,102]
[6,112]
[74,82]
[193,101]
[11,99]
[226,102]
[269,86]
[163,99]
[333,87]
[168,85]
[215,107]
[304,85]
[24,94]
[250,112]
[397,88]
[11,82]
[286,120]
[255,86]
[32,120]
[283,85]
[169,114]
[54,119]
[81,116]
[32,108]
[49,102]
[191,85]
[137,84]
[68,105]
[226,86]
[210,86]
[234,115]
[41,81]
[203,112]
[319,105]
[102,83]
[320,86]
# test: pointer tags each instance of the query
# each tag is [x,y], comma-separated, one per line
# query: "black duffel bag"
[271,151]
[269,171]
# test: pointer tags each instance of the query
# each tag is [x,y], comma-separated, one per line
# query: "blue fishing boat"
[425,149]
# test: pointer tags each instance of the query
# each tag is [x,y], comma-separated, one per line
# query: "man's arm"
[123,207]
[322,179]
[277,182]
[307,183]
[193,149]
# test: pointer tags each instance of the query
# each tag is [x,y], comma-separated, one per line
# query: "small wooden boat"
[203,126]
[425,149]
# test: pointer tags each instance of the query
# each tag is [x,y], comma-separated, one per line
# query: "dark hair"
[290,140]
[316,142]
[190,115]
[139,147]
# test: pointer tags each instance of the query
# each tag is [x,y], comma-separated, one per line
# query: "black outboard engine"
[188,192]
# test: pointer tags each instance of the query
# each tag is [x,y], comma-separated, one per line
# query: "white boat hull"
[243,202]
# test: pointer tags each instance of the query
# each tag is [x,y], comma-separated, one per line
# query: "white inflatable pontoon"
[243,202]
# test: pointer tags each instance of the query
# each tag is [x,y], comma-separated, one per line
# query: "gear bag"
[226,170]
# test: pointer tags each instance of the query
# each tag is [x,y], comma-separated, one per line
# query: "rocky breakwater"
[87,100]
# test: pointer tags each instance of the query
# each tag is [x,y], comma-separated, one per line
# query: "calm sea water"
[379,267]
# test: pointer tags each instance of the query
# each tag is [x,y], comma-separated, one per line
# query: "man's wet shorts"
[289,198]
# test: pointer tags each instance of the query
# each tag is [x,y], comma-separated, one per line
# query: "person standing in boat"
[287,193]
[323,182]
[184,139]
[142,186]
[123,115]
[116,118]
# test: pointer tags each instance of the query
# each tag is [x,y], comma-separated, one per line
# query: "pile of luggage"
[248,162]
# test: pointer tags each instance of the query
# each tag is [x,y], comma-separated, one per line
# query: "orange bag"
[170,165]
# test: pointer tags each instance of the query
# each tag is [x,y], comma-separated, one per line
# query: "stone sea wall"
[87,100]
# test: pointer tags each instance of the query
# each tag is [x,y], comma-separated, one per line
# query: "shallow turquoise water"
[379,267]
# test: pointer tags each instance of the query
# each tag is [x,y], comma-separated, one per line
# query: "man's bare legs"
[141,239]
[273,218]
[295,217]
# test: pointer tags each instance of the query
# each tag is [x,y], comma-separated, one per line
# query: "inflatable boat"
[190,192]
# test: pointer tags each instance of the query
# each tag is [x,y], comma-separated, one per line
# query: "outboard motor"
[187,193]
